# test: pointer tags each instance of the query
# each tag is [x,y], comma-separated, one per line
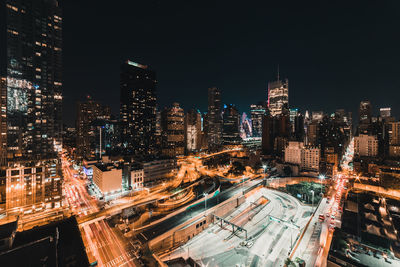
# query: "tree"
[289,262]
[287,171]
[237,168]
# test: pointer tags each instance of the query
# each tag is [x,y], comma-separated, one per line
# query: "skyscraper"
[193,134]
[31,63]
[278,96]
[90,116]
[138,108]
[385,112]
[214,133]
[365,112]
[230,133]
[257,112]
[173,131]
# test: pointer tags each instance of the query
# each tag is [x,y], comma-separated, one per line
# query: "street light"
[205,203]
[312,199]
[264,167]
[321,177]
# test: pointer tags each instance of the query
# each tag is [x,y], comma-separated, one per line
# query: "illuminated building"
[293,152]
[3,120]
[246,130]
[312,134]
[214,115]
[278,96]
[138,109]
[230,127]
[365,112]
[257,112]
[173,131]
[310,157]
[307,157]
[157,170]
[193,134]
[385,112]
[317,116]
[31,61]
[394,133]
[30,186]
[394,139]
[107,178]
[88,114]
[293,113]
[365,145]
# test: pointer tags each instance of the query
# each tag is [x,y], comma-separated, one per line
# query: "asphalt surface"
[193,210]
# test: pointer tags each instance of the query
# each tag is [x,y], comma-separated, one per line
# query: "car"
[321,217]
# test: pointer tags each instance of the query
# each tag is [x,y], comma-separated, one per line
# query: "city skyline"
[331,59]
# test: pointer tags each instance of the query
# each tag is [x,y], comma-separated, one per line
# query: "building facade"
[230,127]
[90,117]
[138,109]
[193,133]
[30,186]
[214,116]
[173,131]
[31,64]
[278,96]
[107,178]
[365,145]
[158,170]
[310,158]
[257,112]
[293,152]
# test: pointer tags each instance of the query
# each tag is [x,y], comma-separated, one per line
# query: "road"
[193,210]
[269,241]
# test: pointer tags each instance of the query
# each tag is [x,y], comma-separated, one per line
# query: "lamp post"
[264,168]
[312,199]
[321,177]
[205,203]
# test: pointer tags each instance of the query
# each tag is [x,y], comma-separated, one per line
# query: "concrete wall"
[183,233]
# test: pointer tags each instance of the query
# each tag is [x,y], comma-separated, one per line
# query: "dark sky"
[334,53]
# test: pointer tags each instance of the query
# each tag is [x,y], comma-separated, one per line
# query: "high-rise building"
[293,113]
[90,116]
[278,96]
[365,145]
[193,134]
[138,109]
[214,115]
[365,112]
[385,112]
[230,132]
[257,112]
[173,131]
[31,64]
[317,116]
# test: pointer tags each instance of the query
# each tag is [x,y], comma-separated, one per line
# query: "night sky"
[334,53]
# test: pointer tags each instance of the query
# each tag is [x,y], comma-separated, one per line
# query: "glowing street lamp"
[321,177]
[205,203]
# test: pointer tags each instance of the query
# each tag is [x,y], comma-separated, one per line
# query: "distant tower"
[214,117]
[257,113]
[138,109]
[278,96]
[365,112]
